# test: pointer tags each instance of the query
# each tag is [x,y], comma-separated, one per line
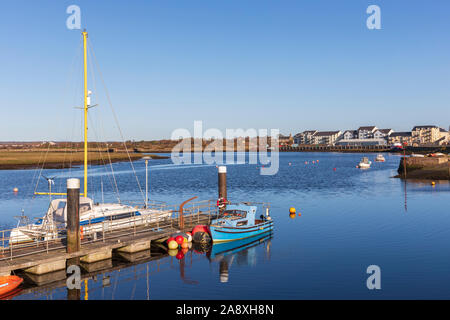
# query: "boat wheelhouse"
[238,221]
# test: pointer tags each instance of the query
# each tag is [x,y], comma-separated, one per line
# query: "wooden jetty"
[43,257]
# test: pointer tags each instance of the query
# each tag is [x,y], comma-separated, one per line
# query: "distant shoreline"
[19,160]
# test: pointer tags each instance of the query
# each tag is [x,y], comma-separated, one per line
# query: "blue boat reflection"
[240,252]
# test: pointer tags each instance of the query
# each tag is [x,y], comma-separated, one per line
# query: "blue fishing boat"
[238,221]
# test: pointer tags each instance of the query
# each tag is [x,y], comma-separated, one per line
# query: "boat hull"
[8,284]
[225,234]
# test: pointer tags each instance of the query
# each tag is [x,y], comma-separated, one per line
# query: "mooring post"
[222,182]
[222,188]
[73,215]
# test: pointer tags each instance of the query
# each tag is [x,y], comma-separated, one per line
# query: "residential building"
[326,137]
[305,137]
[444,137]
[285,140]
[422,135]
[366,132]
[382,133]
[350,134]
[400,137]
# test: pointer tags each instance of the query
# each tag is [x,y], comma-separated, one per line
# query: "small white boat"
[380,158]
[364,163]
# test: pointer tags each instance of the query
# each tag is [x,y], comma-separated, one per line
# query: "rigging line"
[95,133]
[103,161]
[115,118]
[67,84]
[40,172]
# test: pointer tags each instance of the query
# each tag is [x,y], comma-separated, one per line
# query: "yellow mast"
[85,112]
[86,107]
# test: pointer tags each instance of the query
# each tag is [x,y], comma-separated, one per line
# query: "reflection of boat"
[364,163]
[93,217]
[242,251]
[227,248]
[238,222]
[380,158]
[8,284]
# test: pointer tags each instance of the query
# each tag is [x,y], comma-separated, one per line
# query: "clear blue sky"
[292,65]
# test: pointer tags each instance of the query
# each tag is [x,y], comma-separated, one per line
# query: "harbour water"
[350,219]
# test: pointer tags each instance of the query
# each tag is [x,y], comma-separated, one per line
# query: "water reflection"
[240,252]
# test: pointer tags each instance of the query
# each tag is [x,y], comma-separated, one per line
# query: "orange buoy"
[16,190]
[299,214]
[81,232]
[184,245]
[292,210]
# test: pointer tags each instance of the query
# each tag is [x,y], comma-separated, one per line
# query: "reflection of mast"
[223,270]
[406,204]
[182,276]
[268,245]
[224,266]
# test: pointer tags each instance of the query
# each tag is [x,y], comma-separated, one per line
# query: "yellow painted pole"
[85,113]
[86,290]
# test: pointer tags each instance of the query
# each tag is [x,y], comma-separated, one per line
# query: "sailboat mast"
[85,112]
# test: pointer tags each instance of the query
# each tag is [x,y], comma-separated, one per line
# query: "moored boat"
[380,158]
[238,221]
[8,284]
[364,163]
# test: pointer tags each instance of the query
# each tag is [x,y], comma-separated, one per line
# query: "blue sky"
[291,65]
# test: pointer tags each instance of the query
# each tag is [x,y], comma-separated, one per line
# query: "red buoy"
[179,239]
[170,239]
[180,255]
[200,228]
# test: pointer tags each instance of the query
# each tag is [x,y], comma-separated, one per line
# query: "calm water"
[350,219]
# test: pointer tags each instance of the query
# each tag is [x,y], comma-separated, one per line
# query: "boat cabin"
[58,208]
[238,215]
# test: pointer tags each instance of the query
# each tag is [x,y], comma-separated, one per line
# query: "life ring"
[221,202]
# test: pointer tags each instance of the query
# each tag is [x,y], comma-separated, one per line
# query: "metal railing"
[53,237]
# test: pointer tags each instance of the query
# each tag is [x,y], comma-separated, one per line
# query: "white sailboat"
[94,217]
